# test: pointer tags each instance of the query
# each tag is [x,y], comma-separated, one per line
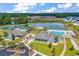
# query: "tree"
[56,39]
[53,52]
[13,37]
[50,45]
[5,34]
[72,48]
[1,38]
[78,53]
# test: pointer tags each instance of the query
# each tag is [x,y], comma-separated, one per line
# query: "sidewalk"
[29,41]
[74,44]
[65,47]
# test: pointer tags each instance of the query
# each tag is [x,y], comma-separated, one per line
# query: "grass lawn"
[12,25]
[68,51]
[77,39]
[43,48]
[76,29]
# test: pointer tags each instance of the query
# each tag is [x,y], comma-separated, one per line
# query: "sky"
[38,7]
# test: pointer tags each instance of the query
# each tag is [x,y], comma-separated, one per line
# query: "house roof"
[43,35]
[16,32]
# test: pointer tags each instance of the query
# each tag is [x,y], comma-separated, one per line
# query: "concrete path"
[74,43]
[29,41]
[65,47]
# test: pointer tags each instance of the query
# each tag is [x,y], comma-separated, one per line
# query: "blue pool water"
[58,33]
[52,26]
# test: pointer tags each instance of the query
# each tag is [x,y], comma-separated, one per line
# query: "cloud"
[33,8]
[59,8]
[50,10]
[77,5]
[42,4]
[65,5]
[23,7]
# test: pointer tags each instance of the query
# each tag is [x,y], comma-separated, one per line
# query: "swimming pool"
[51,26]
[57,33]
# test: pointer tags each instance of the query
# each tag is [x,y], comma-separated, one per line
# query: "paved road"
[26,51]
[4,52]
[29,41]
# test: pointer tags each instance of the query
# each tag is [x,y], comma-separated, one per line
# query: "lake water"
[52,26]
[18,27]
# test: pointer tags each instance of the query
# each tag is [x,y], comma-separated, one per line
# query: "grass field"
[43,48]
[74,28]
[68,51]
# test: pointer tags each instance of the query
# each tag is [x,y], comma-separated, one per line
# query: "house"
[16,33]
[71,18]
[43,36]
[42,17]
